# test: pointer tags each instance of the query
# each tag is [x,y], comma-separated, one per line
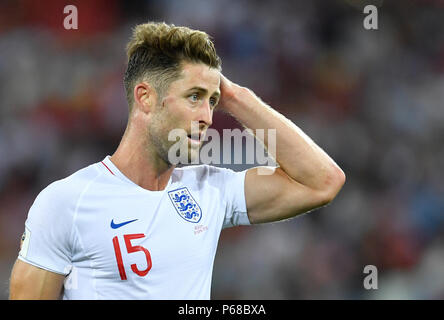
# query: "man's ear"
[145,97]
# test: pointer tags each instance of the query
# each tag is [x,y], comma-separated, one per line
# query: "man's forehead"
[200,75]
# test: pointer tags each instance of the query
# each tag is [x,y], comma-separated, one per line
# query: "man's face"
[189,99]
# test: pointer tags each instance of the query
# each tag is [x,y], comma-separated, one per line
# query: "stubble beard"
[159,141]
[156,144]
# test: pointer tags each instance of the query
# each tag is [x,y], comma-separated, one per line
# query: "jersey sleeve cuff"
[64,273]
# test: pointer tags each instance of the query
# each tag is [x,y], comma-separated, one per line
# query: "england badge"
[185,205]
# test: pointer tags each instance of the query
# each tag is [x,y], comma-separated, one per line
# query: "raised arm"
[307,178]
[32,283]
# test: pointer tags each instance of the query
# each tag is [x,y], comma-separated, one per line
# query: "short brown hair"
[156,50]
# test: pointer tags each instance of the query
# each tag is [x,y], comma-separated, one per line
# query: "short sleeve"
[46,242]
[236,209]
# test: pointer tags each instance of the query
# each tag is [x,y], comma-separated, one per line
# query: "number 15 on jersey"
[131,249]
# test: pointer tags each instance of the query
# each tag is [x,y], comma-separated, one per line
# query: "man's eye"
[213,102]
[194,97]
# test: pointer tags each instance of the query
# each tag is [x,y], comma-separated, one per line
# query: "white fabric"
[68,231]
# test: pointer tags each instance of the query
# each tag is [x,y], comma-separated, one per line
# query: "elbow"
[334,184]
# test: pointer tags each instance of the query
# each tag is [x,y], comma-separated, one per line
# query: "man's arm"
[307,178]
[31,283]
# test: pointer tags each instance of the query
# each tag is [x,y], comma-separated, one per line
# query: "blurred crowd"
[372,99]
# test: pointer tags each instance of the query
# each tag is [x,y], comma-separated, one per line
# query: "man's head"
[156,52]
[172,80]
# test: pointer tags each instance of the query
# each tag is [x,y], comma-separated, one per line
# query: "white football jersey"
[116,240]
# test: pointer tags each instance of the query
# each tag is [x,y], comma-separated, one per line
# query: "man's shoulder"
[68,189]
[205,172]
[199,169]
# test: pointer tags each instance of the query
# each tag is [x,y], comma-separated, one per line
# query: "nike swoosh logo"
[118,225]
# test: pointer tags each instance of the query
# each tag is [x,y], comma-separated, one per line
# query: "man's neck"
[142,167]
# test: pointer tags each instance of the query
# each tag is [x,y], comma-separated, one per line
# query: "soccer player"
[135,226]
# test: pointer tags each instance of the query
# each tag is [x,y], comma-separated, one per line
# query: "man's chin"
[193,154]
[187,153]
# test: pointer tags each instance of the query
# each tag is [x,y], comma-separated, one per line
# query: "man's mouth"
[195,139]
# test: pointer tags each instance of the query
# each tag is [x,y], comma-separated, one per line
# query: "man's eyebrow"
[203,90]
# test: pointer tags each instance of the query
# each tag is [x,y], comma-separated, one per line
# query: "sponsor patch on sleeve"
[24,243]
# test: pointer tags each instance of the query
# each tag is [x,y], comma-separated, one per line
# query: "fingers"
[225,84]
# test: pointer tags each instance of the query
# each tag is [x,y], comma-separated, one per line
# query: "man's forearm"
[298,156]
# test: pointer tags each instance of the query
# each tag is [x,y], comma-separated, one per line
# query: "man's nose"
[206,114]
